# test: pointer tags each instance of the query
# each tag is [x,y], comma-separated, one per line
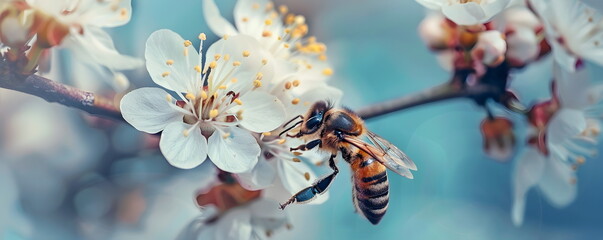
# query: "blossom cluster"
[492,39]
[229,103]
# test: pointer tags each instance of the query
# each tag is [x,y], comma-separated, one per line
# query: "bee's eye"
[314,121]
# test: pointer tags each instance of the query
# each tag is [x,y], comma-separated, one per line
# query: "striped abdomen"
[371,188]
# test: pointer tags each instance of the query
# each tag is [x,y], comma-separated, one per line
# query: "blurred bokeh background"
[66,175]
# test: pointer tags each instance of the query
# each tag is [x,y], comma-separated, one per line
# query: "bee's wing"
[381,156]
[391,151]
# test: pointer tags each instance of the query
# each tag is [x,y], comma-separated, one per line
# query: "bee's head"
[315,117]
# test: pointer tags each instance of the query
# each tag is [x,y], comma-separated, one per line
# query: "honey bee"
[341,130]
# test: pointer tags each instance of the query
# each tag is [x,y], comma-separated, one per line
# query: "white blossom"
[218,106]
[467,12]
[573,30]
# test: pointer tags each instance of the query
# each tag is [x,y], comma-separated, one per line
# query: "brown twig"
[52,91]
[434,94]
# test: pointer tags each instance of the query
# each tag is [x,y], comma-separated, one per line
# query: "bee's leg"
[309,145]
[319,187]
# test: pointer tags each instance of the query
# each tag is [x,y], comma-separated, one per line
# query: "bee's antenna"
[296,117]
[292,127]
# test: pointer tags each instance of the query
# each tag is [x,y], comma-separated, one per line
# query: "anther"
[259,76]
[246,53]
[283,9]
[169,62]
[268,22]
[236,63]
[168,98]
[266,33]
[185,133]
[296,160]
[203,95]
[580,160]
[257,83]
[295,83]
[190,96]
[297,153]
[327,72]
[234,80]
[202,36]
[307,176]
[165,74]
[255,6]
[226,135]
[198,68]
[187,43]
[222,87]
[295,101]
[238,101]
[299,19]
[226,57]
[286,45]
[212,64]
[213,113]
[282,141]
[217,57]
[245,19]
[288,85]
[264,61]
[266,133]
[225,37]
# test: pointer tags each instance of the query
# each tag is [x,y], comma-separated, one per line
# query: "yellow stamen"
[580,160]
[225,37]
[217,57]
[295,101]
[226,57]
[213,113]
[322,57]
[282,141]
[202,36]
[299,19]
[234,80]
[246,53]
[266,33]
[255,6]
[169,62]
[257,83]
[238,101]
[296,159]
[236,63]
[268,22]
[187,43]
[286,45]
[297,153]
[222,87]
[198,68]
[327,71]
[168,98]
[266,133]
[295,83]
[307,176]
[226,135]
[190,96]
[123,13]
[165,74]
[240,115]
[283,9]
[203,95]
[185,133]
[212,64]
[264,61]
[245,19]
[259,76]
[288,85]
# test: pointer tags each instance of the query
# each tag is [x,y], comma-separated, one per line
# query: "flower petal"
[526,174]
[558,183]
[565,124]
[104,13]
[95,45]
[260,177]
[181,151]
[147,110]
[171,64]
[262,112]
[255,13]
[266,215]
[573,88]
[464,14]
[218,24]
[235,152]
[234,225]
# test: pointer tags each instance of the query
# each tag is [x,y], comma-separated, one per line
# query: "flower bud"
[523,46]
[499,139]
[435,31]
[490,48]
[15,26]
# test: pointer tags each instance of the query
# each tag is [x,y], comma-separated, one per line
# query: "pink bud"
[490,48]
[499,139]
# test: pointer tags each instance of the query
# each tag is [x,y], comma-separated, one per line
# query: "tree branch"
[435,94]
[52,91]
